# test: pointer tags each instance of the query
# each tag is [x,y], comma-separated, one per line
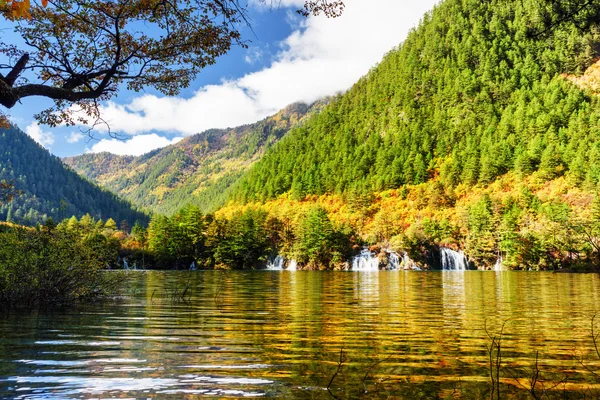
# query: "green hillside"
[470,95]
[198,170]
[48,188]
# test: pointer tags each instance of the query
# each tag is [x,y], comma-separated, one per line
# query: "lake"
[413,335]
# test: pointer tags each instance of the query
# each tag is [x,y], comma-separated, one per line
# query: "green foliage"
[242,241]
[481,240]
[44,187]
[179,240]
[245,240]
[319,245]
[48,267]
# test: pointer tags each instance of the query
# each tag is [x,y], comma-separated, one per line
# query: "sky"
[289,59]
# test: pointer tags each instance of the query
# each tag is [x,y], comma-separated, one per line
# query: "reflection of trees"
[426,327]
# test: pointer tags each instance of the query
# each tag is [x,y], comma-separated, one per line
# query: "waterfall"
[365,261]
[193,266]
[394,260]
[276,264]
[125,263]
[369,261]
[498,265]
[453,260]
[408,263]
[292,265]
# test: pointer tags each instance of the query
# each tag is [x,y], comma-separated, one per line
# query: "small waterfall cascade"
[408,263]
[369,261]
[125,263]
[453,260]
[292,266]
[394,260]
[193,266]
[365,261]
[498,266]
[276,264]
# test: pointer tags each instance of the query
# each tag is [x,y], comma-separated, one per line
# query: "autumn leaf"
[18,9]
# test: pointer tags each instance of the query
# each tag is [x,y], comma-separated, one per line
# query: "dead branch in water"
[495,360]
[364,379]
[339,367]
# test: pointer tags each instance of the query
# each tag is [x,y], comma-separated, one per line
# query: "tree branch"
[10,96]
[17,70]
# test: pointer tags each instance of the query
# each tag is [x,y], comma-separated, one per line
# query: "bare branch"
[337,371]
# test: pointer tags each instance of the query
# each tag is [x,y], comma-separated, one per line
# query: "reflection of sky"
[69,386]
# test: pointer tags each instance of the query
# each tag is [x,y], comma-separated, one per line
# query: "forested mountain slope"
[198,170]
[470,95]
[51,189]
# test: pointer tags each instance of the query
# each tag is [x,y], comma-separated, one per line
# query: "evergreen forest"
[45,188]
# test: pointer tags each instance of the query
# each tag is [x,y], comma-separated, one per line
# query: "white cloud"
[46,139]
[136,146]
[322,57]
[253,55]
[75,137]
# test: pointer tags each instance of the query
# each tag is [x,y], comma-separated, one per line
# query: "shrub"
[49,267]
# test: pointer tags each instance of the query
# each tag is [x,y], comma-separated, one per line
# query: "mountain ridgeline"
[470,95]
[198,170]
[48,188]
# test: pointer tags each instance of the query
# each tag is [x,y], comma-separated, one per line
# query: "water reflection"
[403,334]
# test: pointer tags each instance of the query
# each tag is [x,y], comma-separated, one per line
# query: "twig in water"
[364,379]
[217,297]
[595,337]
[494,365]
[536,387]
[339,367]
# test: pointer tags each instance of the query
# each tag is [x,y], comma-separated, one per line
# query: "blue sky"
[290,59]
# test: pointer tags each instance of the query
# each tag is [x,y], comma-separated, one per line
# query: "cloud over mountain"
[321,57]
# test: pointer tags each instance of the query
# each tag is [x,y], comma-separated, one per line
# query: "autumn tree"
[7,191]
[81,52]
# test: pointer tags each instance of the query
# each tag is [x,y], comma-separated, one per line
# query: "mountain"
[49,188]
[470,95]
[198,170]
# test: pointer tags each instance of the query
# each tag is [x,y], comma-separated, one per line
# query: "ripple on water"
[280,335]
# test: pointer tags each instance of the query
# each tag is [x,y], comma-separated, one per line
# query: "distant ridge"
[200,169]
